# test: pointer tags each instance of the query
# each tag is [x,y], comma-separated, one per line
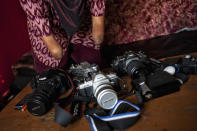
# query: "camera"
[149,77]
[138,66]
[92,83]
[134,64]
[47,87]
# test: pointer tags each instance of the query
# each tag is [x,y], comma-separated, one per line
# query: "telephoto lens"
[103,91]
[47,87]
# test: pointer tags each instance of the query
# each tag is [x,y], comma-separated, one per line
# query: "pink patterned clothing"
[125,22]
[42,20]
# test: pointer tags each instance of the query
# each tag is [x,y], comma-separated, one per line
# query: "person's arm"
[98,29]
[98,15]
[41,26]
[54,48]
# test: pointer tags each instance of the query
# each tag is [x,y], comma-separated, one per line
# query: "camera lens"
[107,98]
[38,105]
[133,68]
[47,87]
[103,92]
[42,100]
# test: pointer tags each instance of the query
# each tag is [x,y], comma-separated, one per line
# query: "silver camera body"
[91,82]
[102,89]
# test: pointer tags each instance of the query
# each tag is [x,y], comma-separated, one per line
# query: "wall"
[14,39]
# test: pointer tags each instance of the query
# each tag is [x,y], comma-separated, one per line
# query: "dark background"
[14,39]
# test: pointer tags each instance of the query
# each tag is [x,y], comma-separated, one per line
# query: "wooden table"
[174,112]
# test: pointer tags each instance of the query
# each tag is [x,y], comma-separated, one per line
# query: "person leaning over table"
[54,24]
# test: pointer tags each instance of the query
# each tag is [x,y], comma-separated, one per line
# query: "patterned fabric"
[125,21]
[133,20]
[42,20]
[97,7]
[84,35]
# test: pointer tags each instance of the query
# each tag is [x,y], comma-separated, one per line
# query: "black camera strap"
[123,115]
[63,117]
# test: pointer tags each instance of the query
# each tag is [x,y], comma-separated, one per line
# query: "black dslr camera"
[148,77]
[135,64]
[47,87]
[90,83]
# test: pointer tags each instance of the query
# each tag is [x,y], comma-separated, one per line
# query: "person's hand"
[54,48]
[98,29]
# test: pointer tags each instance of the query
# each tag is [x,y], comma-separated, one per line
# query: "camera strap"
[63,117]
[123,115]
